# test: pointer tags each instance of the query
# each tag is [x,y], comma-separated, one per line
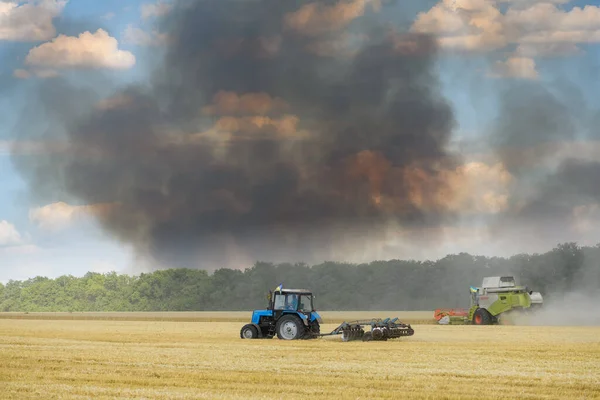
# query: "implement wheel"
[290,327]
[482,317]
[249,331]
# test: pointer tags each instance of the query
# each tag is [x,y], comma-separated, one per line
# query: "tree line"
[394,285]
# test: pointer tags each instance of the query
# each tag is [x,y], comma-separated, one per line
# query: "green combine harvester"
[497,296]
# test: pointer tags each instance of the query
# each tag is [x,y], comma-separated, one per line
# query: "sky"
[487,48]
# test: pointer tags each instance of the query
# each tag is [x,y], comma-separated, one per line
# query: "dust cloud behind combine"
[565,309]
[283,131]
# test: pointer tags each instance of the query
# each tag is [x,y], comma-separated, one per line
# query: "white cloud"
[157,9]
[40,73]
[524,3]
[88,50]
[29,21]
[472,25]
[548,50]
[314,18]
[140,37]
[538,28]
[21,74]
[9,236]
[479,25]
[515,67]
[58,216]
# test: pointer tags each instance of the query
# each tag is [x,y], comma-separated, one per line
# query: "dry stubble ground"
[175,359]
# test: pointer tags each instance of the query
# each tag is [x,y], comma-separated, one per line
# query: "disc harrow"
[381,330]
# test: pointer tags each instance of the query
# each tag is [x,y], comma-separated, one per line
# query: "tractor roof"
[299,291]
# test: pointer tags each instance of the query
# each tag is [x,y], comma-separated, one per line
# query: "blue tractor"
[290,315]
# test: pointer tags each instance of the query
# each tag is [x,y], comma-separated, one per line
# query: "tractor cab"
[292,300]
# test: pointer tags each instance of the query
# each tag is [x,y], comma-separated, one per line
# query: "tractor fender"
[302,317]
[260,335]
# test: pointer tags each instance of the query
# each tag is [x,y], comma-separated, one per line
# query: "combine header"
[291,315]
[495,297]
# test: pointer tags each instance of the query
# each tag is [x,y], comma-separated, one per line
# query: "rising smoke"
[546,138]
[271,130]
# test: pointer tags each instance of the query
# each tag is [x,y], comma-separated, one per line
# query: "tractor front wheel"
[482,317]
[290,327]
[249,331]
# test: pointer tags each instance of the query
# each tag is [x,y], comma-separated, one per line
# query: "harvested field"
[177,360]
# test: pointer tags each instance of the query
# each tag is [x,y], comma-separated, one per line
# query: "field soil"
[185,359]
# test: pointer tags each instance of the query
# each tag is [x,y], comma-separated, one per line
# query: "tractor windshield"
[286,302]
[293,302]
[305,304]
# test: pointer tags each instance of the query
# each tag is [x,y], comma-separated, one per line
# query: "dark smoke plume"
[546,137]
[271,130]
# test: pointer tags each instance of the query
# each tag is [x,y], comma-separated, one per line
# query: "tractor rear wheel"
[482,317]
[313,331]
[249,331]
[290,327]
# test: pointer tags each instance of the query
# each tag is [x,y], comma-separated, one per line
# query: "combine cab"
[291,315]
[496,296]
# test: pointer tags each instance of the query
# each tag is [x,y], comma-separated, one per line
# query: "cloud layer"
[537,28]
[29,22]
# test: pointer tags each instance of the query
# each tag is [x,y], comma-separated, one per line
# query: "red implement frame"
[453,312]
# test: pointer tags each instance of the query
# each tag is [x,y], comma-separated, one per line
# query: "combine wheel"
[249,331]
[482,317]
[290,327]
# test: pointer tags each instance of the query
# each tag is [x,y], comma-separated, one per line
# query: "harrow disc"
[355,332]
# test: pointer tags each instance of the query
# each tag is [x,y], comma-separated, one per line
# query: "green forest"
[380,285]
